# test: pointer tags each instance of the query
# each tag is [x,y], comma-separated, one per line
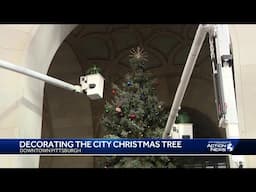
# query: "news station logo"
[220,146]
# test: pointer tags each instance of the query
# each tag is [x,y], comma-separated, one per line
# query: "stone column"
[243,41]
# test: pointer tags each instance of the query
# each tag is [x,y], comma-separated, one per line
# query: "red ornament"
[132,116]
[113,91]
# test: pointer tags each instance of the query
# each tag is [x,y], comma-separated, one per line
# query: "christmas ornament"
[138,54]
[132,116]
[113,91]
[106,110]
[129,83]
[118,109]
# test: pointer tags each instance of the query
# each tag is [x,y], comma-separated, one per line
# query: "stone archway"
[108,46]
[168,46]
[35,45]
[32,46]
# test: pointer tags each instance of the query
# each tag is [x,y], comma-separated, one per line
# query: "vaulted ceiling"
[167,47]
[108,45]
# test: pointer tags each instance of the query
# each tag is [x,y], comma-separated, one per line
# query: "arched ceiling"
[167,45]
[108,46]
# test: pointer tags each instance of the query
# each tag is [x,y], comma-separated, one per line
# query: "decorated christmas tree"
[135,112]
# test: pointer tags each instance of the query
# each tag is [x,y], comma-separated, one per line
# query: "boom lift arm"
[223,79]
[92,85]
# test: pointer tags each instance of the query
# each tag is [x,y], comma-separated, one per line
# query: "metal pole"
[34,74]
[188,69]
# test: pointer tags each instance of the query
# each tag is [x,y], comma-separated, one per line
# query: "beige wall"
[32,46]
[243,39]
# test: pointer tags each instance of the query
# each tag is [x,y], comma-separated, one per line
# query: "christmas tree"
[135,112]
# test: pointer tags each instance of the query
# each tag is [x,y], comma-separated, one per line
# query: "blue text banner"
[126,146]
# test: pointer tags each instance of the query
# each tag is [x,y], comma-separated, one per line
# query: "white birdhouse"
[93,85]
[182,131]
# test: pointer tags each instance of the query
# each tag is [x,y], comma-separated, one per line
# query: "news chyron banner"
[138,147]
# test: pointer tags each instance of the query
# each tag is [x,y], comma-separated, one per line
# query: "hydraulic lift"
[223,80]
[92,85]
